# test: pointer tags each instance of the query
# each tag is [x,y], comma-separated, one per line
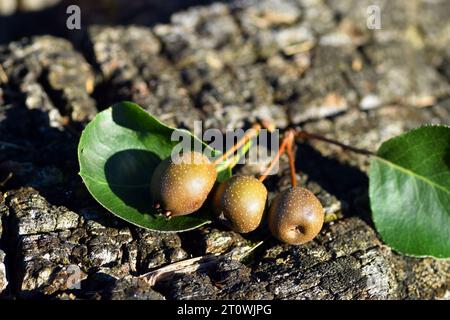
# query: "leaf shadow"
[447,159]
[129,173]
[125,117]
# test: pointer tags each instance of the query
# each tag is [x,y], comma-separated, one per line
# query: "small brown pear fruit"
[181,185]
[240,201]
[295,216]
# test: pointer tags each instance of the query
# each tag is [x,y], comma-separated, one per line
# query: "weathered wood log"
[226,65]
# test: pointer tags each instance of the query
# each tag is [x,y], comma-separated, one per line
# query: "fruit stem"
[288,139]
[266,124]
[302,134]
[240,154]
[248,135]
[232,162]
[289,150]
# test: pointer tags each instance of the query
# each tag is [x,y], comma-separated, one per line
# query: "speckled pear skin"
[241,200]
[182,187]
[295,216]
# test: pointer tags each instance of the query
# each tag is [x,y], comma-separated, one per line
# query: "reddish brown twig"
[290,153]
[286,143]
[266,124]
[302,134]
[248,135]
[287,146]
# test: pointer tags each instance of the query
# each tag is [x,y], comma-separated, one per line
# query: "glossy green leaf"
[410,192]
[118,152]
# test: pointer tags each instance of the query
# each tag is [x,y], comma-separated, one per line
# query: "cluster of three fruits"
[180,186]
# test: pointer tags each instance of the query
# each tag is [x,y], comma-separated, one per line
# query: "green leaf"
[410,192]
[118,152]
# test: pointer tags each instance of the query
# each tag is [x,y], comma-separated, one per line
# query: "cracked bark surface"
[298,62]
